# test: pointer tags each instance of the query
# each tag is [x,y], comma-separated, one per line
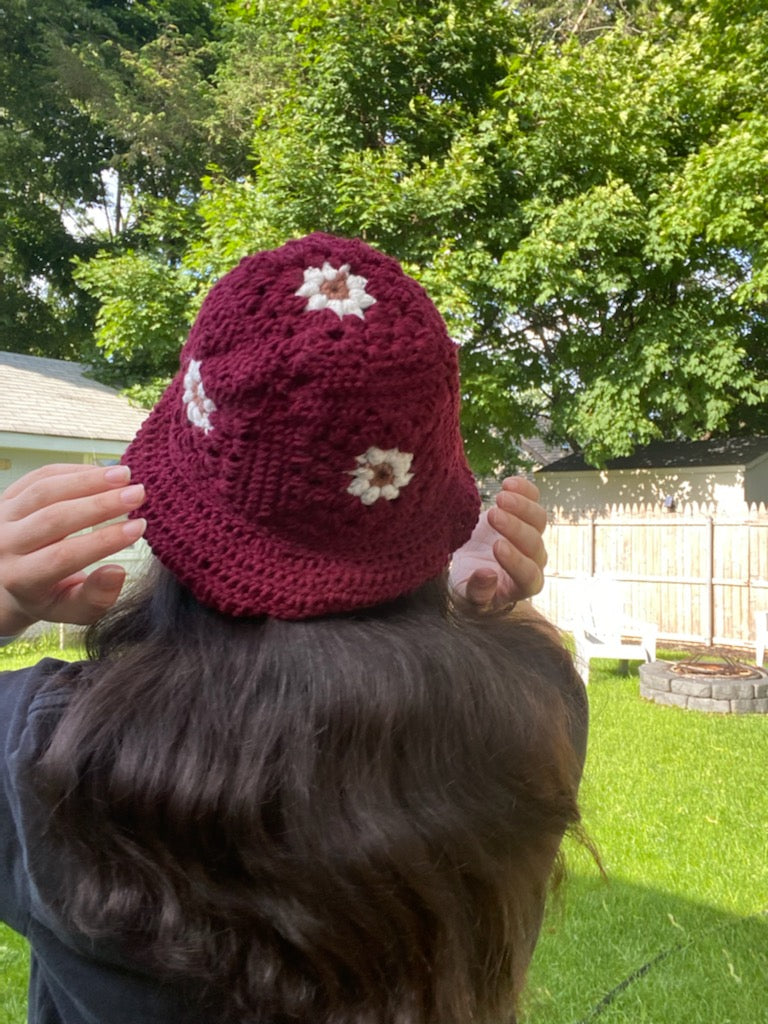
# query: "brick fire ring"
[727,695]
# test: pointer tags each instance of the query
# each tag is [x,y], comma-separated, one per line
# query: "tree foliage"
[639,300]
[580,186]
[104,106]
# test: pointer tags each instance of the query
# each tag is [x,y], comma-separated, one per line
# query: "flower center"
[337,288]
[383,474]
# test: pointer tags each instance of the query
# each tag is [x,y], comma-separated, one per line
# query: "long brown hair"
[347,820]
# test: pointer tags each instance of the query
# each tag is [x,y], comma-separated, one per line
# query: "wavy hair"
[346,820]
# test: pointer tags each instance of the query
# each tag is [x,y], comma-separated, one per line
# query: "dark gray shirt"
[73,980]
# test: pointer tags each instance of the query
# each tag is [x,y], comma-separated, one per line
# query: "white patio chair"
[601,627]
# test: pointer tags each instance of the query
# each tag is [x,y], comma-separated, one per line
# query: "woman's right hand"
[43,557]
[504,559]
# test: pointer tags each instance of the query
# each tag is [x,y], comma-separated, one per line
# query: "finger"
[85,598]
[42,569]
[55,522]
[99,591]
[520,534]
[521,485]
[42,473]
[526,579]
[42,488]
[482,586]
[70,581]
[524,508]
[81,605]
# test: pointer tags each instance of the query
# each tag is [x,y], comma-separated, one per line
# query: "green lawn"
[678,934]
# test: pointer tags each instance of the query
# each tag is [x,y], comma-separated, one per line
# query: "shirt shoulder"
[31,699]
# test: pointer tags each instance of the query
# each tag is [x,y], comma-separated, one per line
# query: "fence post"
[710,616]
[592,543]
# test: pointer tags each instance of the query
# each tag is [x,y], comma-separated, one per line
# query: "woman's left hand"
[504,559]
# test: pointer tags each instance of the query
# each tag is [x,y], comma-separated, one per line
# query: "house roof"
[724,451]
[538,449]
[52,397]
[540,452]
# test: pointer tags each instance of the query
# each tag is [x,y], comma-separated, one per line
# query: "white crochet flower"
[199,407]
[380,474]
[328,288]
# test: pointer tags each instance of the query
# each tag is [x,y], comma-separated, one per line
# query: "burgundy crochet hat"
[306,459]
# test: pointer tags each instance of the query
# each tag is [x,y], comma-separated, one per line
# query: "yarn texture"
[307,459]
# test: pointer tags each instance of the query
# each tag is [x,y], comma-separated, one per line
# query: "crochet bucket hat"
[306,459]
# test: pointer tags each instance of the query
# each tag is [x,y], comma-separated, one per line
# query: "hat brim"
[242,568]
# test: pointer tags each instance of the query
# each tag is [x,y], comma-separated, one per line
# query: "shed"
[721,474]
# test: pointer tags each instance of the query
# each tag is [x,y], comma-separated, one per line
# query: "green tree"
[46,150]
[580,186]
[104,104]
[645,315]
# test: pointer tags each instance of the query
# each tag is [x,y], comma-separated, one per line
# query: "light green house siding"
[21,453]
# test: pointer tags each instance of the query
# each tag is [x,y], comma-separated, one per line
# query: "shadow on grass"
[618,953]
[610,953]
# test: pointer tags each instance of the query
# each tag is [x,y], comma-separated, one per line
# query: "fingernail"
[487,586]
[507,500]
[134,528]
[109,576]
[117,474]
[505,549]
[496,517]
[132,495]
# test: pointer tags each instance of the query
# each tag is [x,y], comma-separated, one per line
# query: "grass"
[14,977]
[27,651]
[678,934]
[675,801]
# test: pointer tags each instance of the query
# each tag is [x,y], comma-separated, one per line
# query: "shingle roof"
[724,451]
[540,451]
[54,398]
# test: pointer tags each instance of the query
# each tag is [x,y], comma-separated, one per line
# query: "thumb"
[102,588]
[481,586]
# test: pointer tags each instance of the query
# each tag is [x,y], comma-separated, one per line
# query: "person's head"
[295,770]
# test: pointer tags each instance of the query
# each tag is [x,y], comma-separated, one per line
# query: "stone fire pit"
[708,682]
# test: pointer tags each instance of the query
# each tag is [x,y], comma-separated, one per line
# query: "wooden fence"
[699,574]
